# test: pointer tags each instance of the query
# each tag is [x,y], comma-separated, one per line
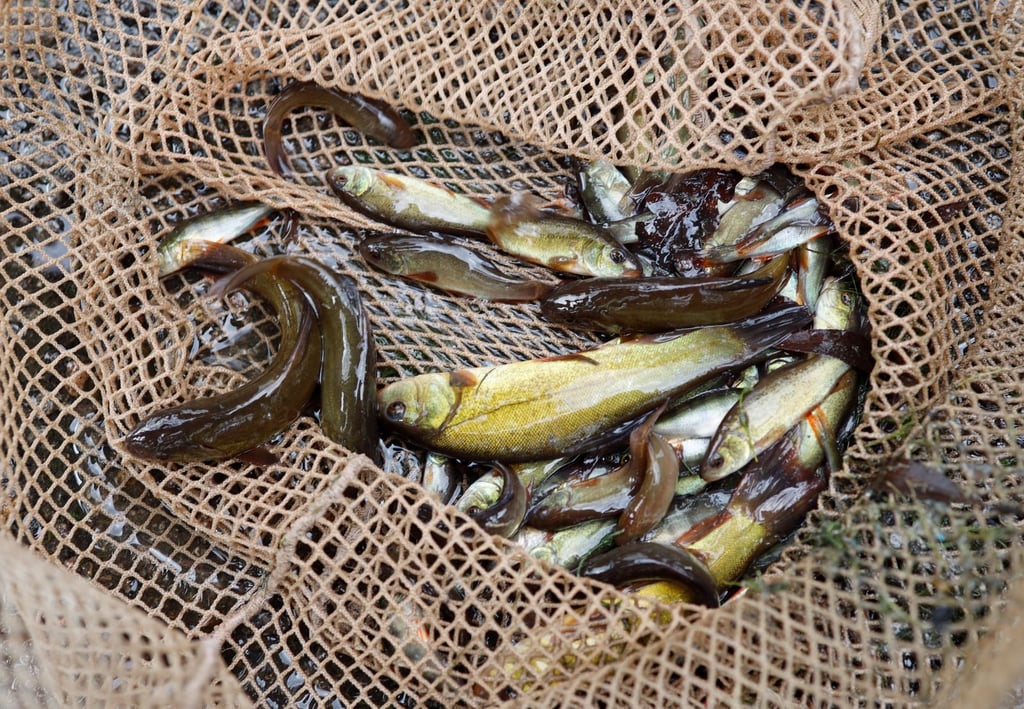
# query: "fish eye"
[395,411]
[618,256]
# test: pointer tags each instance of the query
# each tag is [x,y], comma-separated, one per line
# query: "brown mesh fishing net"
[321,580]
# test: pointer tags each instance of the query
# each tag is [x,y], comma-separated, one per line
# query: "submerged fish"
[445,264]
[560,405]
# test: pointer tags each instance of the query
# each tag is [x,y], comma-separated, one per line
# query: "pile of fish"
[666,460]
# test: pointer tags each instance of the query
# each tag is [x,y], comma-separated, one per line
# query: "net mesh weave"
[322,580]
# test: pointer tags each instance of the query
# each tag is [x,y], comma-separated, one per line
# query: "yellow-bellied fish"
[560,243]
[409,203]
[772,497]
[783,397]
[556,406]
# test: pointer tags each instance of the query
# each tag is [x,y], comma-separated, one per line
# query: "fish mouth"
[336,181]
[138,446]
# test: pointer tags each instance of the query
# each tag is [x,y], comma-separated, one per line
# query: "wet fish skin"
[799,222]
[559,405]
[689,510]
[230,424]
[700,416]
[569,546]
[581,499]
[438,476]
[186,243]
[447,265]
[605,192]
[505,514]
[754,202]
[370,117]
[529,538]
[654,495]
[577,501]
[408,202]
[640,562]
[770,500]
[561,243]
[663,303]
[348,380]
[782,398]
[813,262]
[483,499]
[482,492]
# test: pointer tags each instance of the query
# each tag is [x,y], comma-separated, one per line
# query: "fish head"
[725,457]
[835,307]
[379,254]
[171,257]
[350,179]
[419,405]
[167,437]
[609,260]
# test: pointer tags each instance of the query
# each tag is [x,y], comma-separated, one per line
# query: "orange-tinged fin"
[483,202]
[391,180]
[819,425]
[463,378]
[514,208]
[561,263]
[427,276]
[561,206]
